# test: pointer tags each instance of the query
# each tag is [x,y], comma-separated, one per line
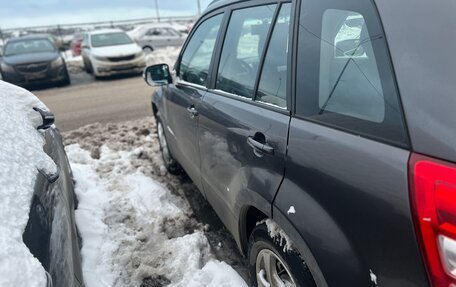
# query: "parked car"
[76,44]
[334,122]
[156,35]
[36,180]
[33,59]
[110,52]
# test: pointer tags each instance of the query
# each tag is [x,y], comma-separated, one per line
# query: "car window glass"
[29,46]
[110,39]
[154,32]
[344,76]
[196,59]
[165,32]
[349,78]
[272,88]
[242,49]
[172,32]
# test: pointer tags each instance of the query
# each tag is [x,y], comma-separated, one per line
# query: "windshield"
[28,47]
[110,39]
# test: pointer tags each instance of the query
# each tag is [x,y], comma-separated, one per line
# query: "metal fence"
[65,32]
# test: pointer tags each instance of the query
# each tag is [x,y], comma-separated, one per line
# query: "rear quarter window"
[344,73]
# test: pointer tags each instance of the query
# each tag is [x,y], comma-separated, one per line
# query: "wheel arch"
[145,47]
[250,215]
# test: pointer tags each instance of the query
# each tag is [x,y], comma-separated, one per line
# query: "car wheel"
[271,266]
[88,67]
[170,163]
[148,49]
[67,80]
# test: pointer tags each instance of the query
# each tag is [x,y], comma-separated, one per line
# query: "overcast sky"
[21,13]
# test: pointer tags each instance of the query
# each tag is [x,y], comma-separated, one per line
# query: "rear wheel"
[170,163]
[271,266]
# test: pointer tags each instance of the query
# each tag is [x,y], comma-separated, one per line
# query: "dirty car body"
[327,117]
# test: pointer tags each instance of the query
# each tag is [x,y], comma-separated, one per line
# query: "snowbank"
[21,156]
[135,231]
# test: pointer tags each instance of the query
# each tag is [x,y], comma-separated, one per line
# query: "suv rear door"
[244,117]
[347,163]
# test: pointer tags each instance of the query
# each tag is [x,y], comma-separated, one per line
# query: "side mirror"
[47,117]
[158,75]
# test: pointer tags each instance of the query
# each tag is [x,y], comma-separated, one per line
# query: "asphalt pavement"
[88,101]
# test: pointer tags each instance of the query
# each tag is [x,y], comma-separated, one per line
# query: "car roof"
[215,4]
[105,31]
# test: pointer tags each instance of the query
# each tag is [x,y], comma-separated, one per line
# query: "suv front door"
[183,98]
[244,117]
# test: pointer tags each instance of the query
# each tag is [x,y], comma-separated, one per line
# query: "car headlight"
[6,68]
[57,62]
[100,58]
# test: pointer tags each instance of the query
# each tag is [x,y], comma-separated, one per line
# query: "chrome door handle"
[260,147]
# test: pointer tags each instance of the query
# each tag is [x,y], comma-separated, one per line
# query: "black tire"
[67,80]
[171,164]
[294,269]
[88,67]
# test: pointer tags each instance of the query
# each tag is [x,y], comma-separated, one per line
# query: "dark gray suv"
[328,125]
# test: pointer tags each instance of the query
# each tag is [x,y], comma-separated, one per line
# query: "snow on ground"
[21,158]
[138,223]
[74,63]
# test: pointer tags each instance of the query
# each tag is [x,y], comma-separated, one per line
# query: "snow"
[21,157]
[135,231]
[276,233]
[70,58]
[291,210]
[373,277]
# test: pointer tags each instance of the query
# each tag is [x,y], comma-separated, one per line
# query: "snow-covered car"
[38,236]
[110,52]
[157,35]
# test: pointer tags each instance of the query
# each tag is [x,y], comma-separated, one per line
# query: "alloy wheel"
[271,271]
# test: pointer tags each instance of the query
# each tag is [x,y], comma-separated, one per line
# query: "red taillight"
[433,195]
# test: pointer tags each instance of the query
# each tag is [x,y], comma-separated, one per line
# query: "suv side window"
[242,49]
[272,88]
[196,59]
[344,76]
